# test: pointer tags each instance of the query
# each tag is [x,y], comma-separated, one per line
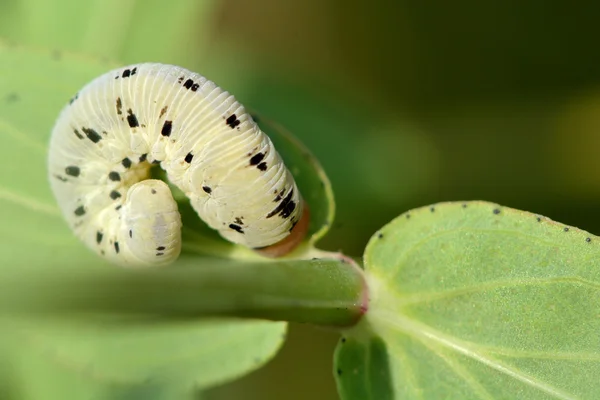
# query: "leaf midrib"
[388,324]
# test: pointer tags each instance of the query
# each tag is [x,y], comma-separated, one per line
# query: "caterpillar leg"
[150,224]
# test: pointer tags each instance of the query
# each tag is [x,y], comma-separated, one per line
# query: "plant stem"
[322,292]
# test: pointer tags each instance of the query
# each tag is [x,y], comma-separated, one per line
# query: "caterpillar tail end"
[292,241]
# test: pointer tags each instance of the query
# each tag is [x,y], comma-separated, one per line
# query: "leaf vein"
[26,202]
[22,137]
[408,370]
[423,332]
[459,370]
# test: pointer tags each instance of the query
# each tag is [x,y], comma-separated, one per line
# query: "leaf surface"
[476,301]
[131,31]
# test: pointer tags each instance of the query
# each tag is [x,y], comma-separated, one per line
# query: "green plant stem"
[322,292]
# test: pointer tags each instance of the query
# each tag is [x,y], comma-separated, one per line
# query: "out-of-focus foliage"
[129,31]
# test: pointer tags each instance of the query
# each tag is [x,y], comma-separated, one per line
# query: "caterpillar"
[110,134]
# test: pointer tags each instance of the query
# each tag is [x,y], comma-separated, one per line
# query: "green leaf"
[34,377]
[34,86]
[476,301]
[125,352]
[131,31]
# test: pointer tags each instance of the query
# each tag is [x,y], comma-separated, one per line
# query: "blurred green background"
[405,103]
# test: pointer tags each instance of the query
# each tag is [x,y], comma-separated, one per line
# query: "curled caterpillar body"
[109,135]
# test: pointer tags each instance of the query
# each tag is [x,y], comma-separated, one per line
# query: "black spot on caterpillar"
[236,228]
[129,72]
[285,208]
[72,170]
[232,121]
[257,159]
[166,129]
[79,135]
[91,134]
[163,111]
[132,119]
[114,176]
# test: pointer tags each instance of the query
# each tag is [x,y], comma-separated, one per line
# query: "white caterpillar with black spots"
[110,134]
